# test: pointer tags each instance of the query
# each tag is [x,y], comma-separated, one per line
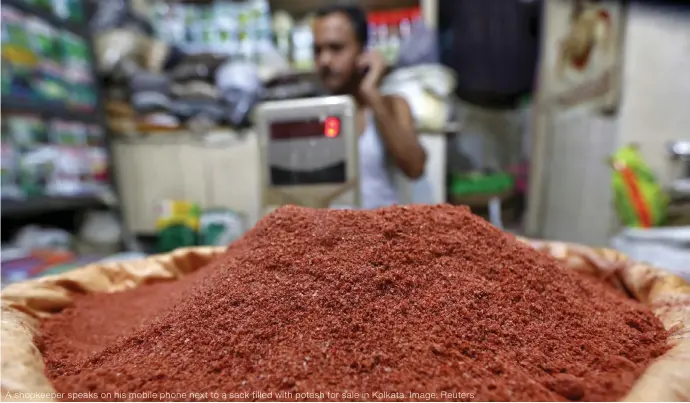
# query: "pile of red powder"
[401,303]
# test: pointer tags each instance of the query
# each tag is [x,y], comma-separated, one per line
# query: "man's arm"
[395,125]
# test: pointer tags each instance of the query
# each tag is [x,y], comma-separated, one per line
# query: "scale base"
[322,196]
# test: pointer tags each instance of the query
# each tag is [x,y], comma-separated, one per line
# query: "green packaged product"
[76,10]
[36,168]
[177,225]
[75,51]
[42,4]
[18,60]
[9,172]
[481,184]
[71,10]
[81,89]
[639,198]
[27,131]
[44,41]
[47,81]
[72,134]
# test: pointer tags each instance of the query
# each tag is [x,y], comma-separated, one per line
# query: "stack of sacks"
[194,91]
[150,98]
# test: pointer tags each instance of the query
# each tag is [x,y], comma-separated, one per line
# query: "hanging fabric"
[493,45]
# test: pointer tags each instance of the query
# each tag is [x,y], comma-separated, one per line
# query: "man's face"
[335,52]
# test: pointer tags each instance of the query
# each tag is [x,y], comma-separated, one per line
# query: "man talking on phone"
[388,140]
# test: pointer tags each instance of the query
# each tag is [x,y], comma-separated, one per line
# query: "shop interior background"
[127,125]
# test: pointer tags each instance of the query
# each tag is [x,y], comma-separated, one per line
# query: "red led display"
[305,128]
[331,127]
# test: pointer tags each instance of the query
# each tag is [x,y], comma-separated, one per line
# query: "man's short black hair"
[356,15]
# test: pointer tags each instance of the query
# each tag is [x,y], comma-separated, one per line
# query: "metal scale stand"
[308,153]
[680,152]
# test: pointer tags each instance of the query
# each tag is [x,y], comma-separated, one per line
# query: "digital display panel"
[328,127]
[307,152]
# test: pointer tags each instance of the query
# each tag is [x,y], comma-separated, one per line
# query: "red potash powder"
[400,303]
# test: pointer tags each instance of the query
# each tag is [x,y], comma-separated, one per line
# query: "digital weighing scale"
[308,153]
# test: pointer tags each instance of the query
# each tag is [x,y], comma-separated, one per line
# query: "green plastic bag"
[639,198]
[220,226]
[177,225]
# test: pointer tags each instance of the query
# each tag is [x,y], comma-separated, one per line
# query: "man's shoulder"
[398,103]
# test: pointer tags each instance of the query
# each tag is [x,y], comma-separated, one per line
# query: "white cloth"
[378,175]
[665,248]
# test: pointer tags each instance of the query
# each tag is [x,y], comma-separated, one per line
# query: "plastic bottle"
[393,47]
[283,25]
[233,30]
[382,34]
[405,25]
[373,22]
[303,46]
[246,45]
[264,32]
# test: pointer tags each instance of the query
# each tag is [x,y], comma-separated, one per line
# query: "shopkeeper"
[388,140]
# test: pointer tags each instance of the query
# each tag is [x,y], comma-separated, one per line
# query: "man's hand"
[393,117]
[376,67]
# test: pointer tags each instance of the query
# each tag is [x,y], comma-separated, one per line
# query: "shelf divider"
[10,208]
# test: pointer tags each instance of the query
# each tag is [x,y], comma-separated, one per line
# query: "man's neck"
[359,100]
[361,104]
[353,91]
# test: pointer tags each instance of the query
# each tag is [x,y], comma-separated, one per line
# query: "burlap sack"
[25,304]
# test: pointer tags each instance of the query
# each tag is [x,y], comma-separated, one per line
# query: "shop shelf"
[47,109]
[46,204]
